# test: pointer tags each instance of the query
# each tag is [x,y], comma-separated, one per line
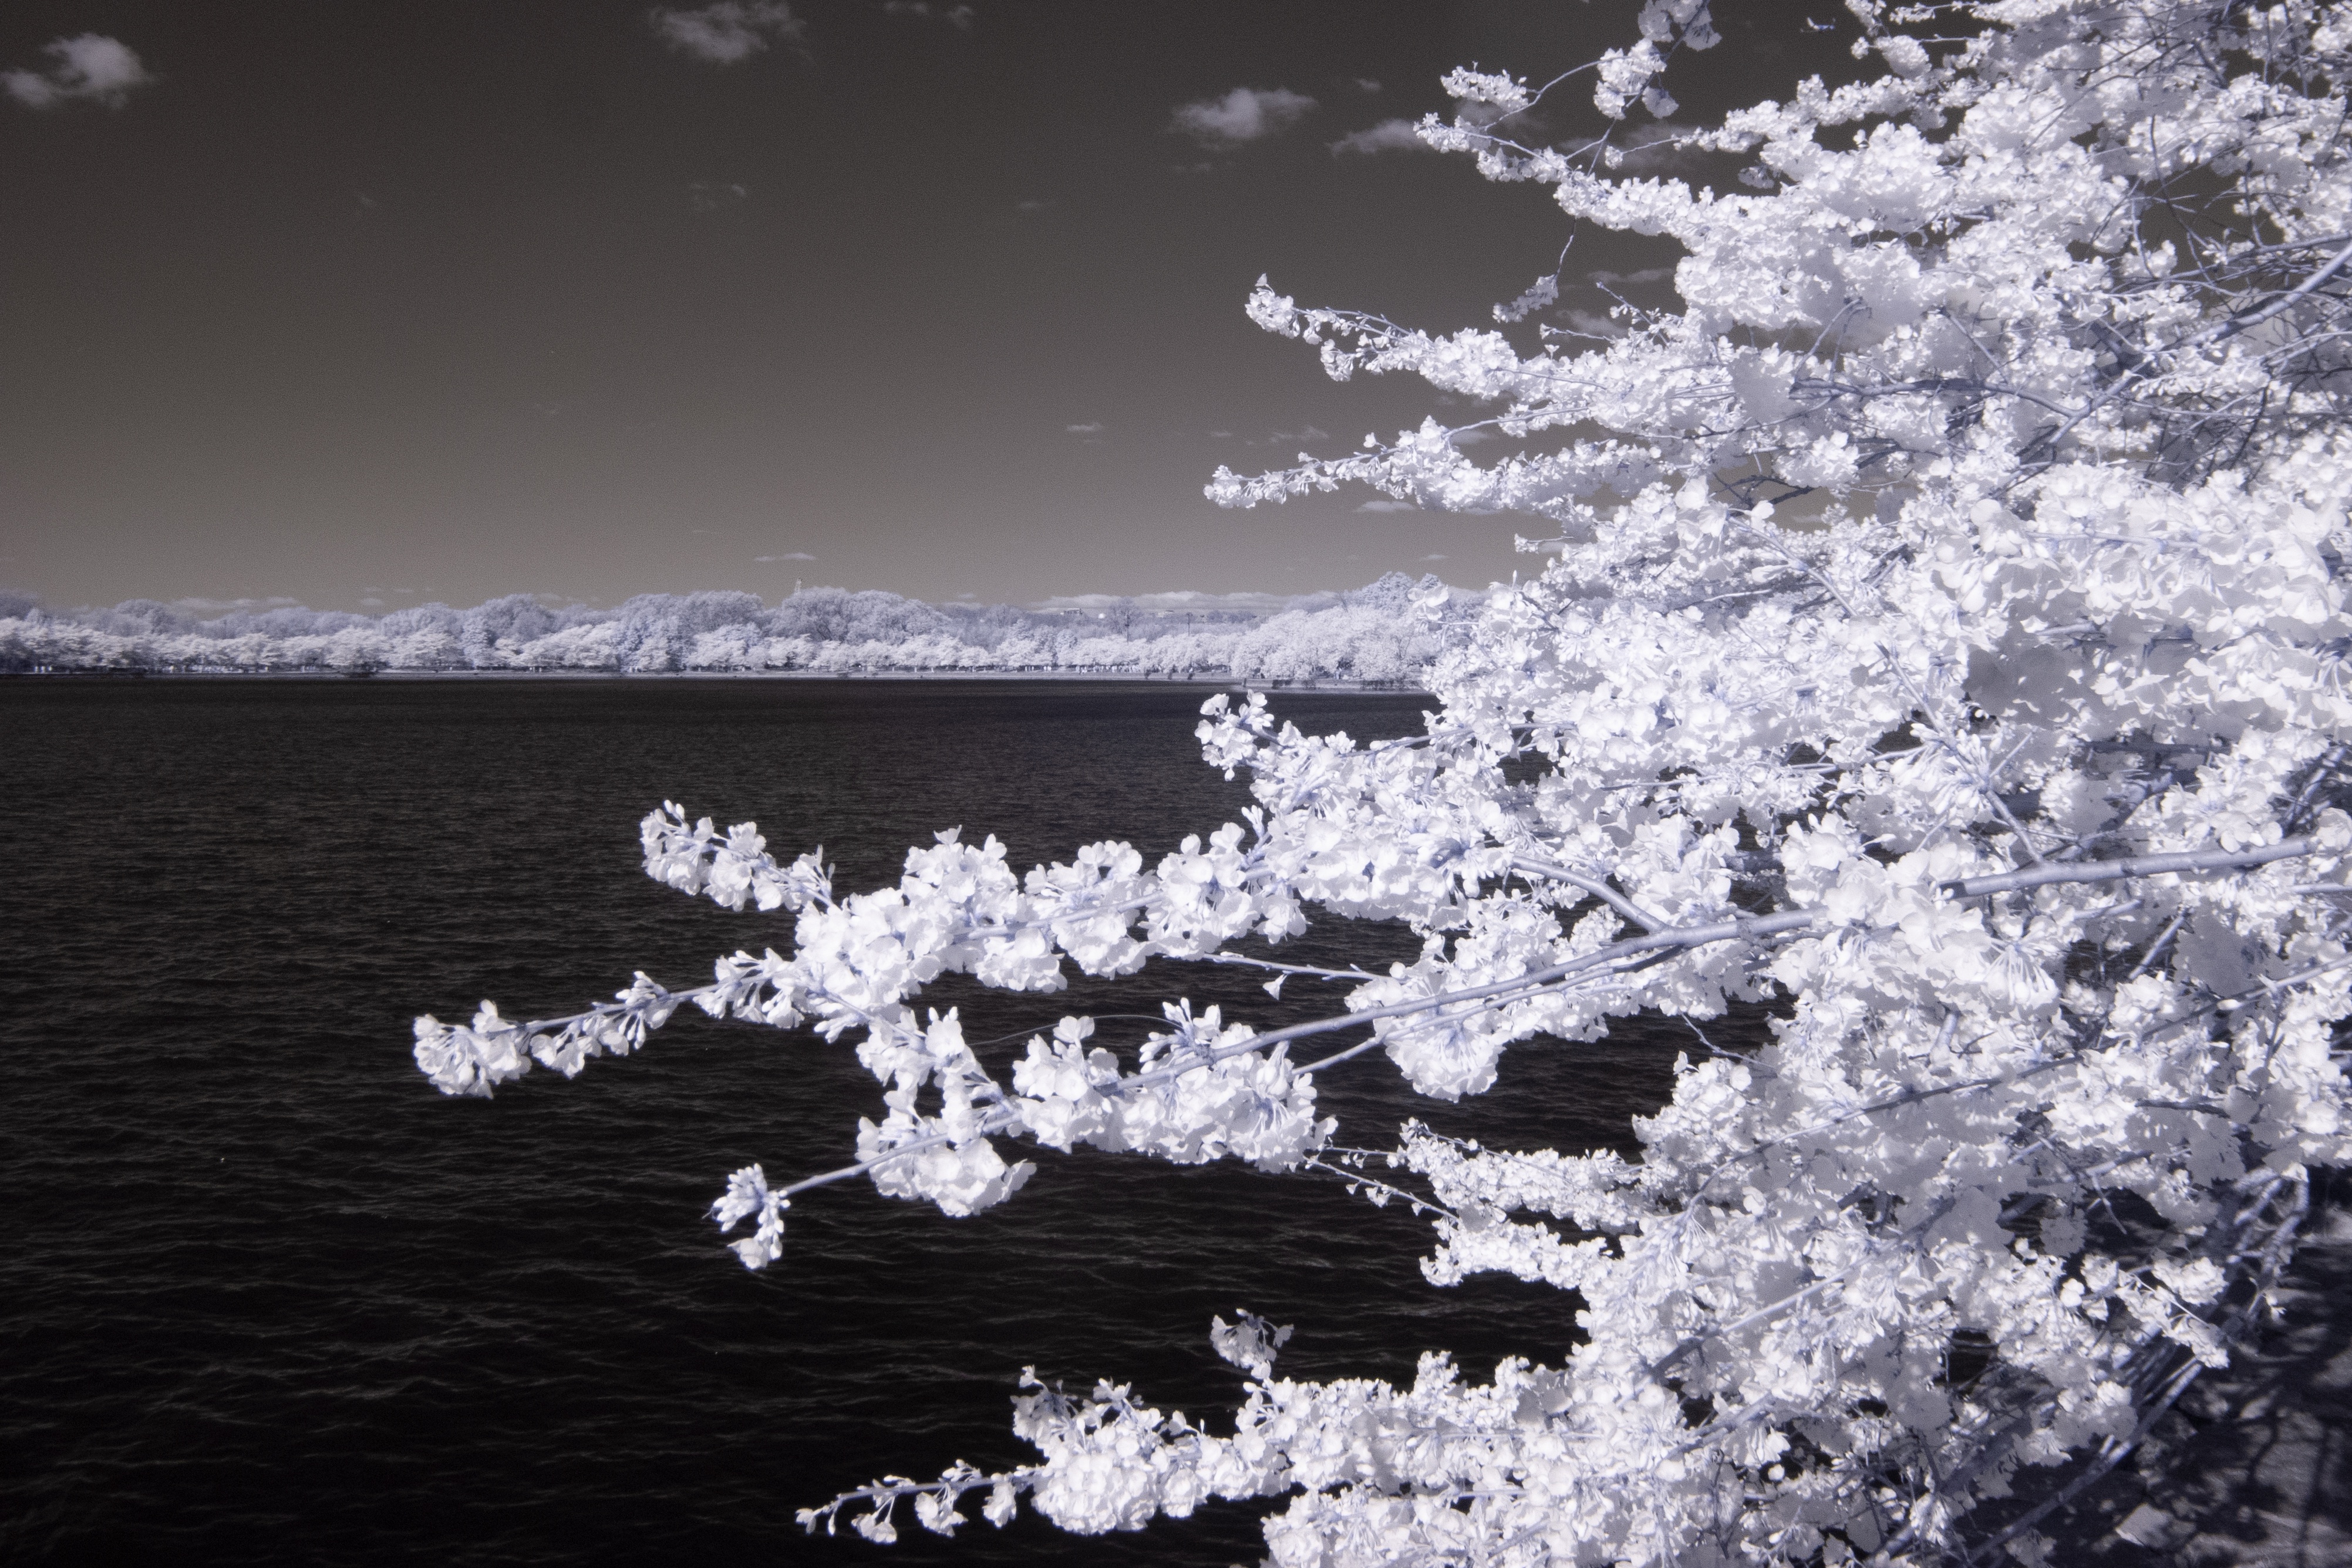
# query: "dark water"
[265,1296]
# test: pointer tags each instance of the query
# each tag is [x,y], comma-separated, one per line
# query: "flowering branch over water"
[1944,646]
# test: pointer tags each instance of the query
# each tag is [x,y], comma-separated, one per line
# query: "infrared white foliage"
[747,1198]
[1944,651]
[1355,636]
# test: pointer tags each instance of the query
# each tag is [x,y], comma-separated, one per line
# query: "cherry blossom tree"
[1943,645]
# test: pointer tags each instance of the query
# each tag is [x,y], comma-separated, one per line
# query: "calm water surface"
[266,1297]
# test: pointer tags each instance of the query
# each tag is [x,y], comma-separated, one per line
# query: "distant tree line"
[1388,633]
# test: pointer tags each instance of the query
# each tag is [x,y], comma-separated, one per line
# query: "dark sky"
[364,305]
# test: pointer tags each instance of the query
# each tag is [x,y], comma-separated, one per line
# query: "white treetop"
[1362,638]
[1944,646]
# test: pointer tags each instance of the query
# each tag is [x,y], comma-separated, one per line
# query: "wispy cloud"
[1176,603]
[101,69]
[1388,506]
[1388,136]
[710,196]
[1367,84]
[1647,275]
[1592,324]
[771,560]
[728,31]
[1244,114]
[222,606]
[960,17]
[1092,427]
[1432,558]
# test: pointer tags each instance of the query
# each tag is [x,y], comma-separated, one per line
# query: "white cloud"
[1244,114]
[100,68]
[1092,427]
[1647,275]
[727,31]
[1592,324]
[1368,84]
[1432,558]
[771,560]
[222,606]
[1388,506]
[710,196]
[957,17]
[1178,603]
[1387,136]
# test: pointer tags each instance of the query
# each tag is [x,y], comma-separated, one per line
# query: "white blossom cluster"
[1945,648]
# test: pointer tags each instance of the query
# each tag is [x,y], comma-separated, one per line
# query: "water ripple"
[268,1297]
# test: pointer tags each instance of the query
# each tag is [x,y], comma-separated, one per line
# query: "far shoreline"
[999,677]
